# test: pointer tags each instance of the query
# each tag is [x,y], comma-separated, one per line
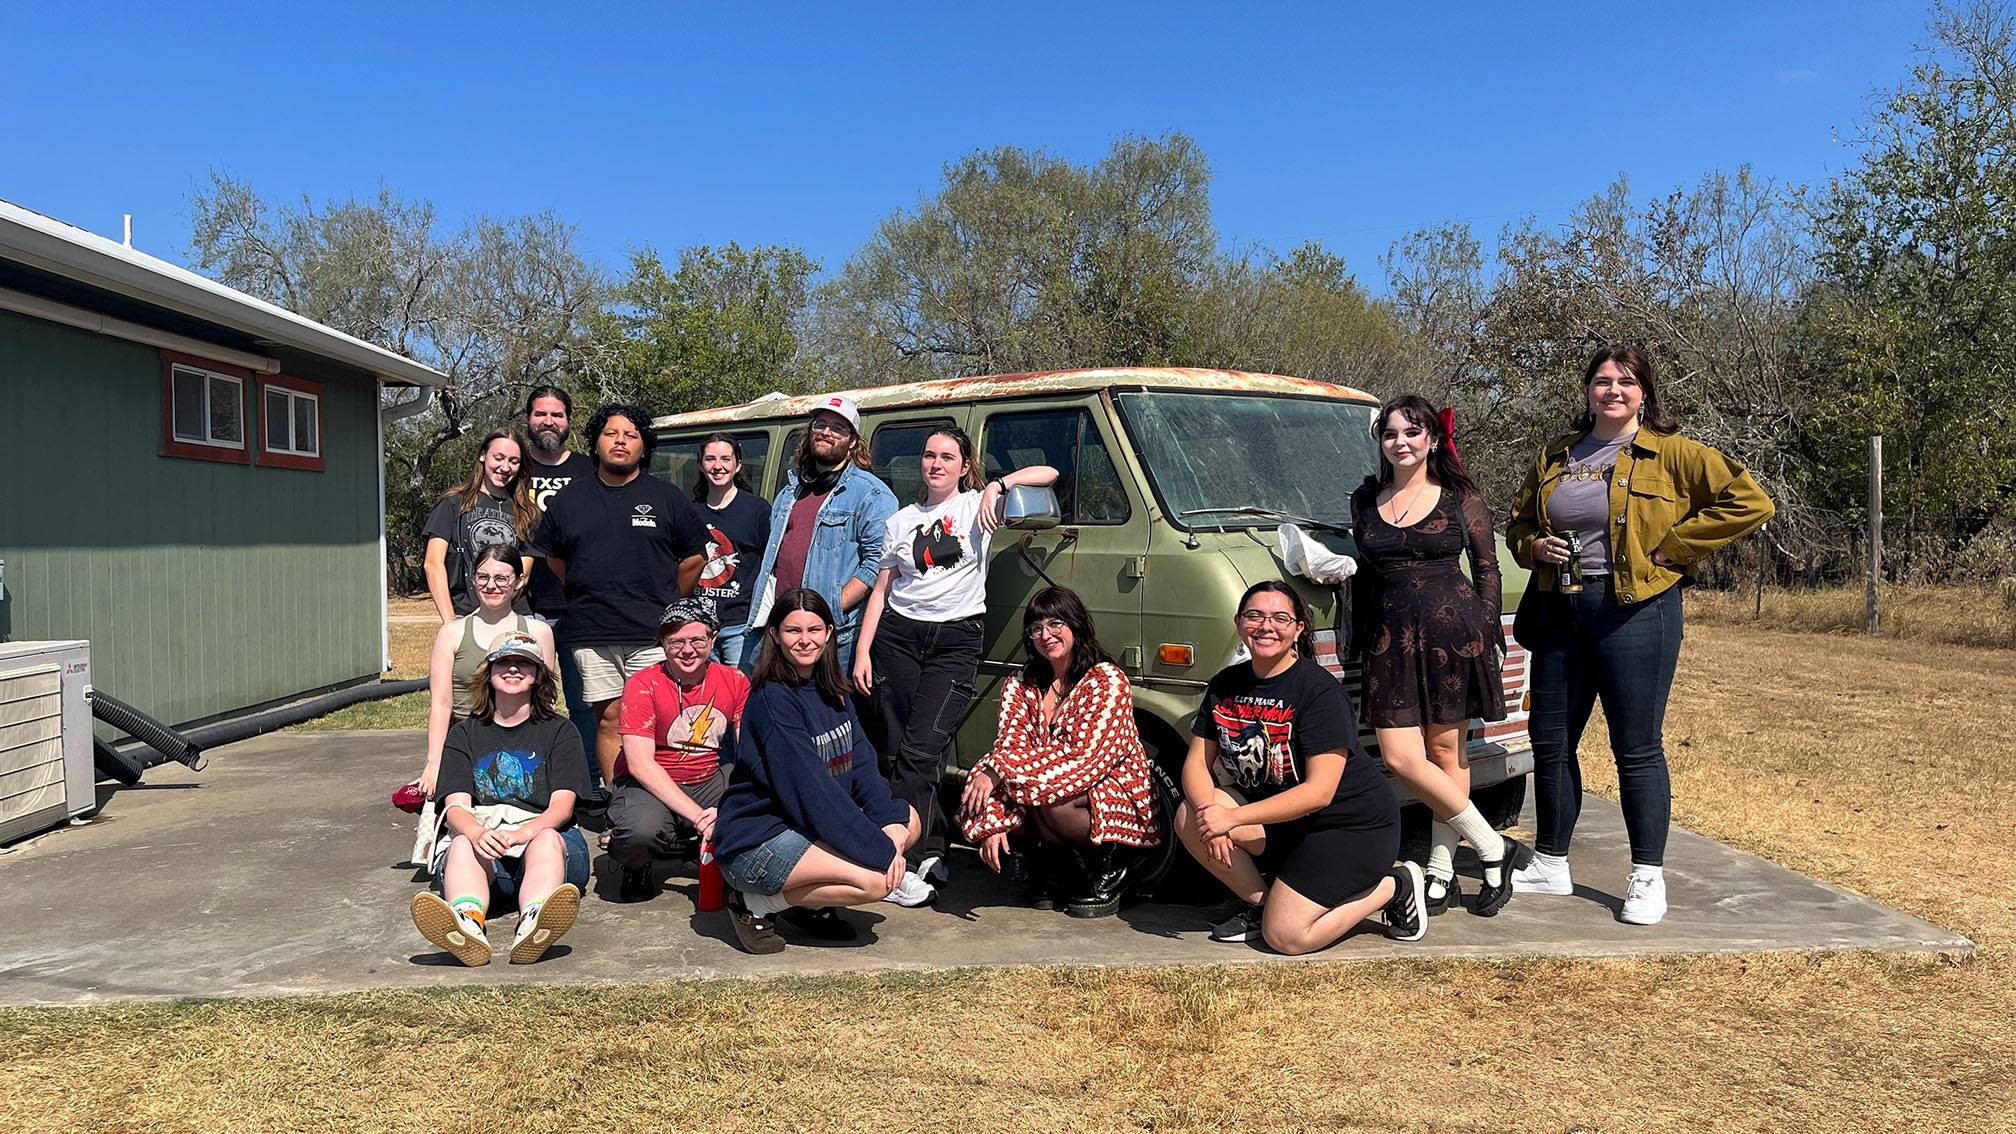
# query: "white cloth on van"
[1311,560]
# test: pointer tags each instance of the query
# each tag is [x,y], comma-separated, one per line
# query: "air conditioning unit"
[46,773]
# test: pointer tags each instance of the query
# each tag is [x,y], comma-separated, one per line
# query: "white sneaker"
[912,892]
[933,869]
[544,924]
[1644,899]
[1546,874]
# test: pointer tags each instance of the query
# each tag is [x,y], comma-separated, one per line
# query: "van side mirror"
[1030,509]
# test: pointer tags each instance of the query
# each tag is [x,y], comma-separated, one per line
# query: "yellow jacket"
[1669,494]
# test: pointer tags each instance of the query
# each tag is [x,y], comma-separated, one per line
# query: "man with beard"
[550,467]
[624,545]
[833,495]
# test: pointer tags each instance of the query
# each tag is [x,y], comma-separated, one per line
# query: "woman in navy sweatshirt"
[808,823]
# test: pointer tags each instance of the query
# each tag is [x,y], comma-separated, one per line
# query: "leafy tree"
[1916,318]
[493,305]
[722,328]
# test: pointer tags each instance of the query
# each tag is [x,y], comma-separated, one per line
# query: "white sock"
[1549,862]
[1441,854]
[1648,871]
[763,905]
[1474,829]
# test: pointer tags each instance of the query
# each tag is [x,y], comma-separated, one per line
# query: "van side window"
[1088,484]
[899,456]
[679,461]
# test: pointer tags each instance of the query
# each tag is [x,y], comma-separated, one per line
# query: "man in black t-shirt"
[625,545]
[549,467]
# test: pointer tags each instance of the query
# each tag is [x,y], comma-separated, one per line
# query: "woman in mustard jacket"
[1644,504]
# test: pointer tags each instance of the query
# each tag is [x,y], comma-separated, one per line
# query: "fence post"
[1875,528]
[1763,551]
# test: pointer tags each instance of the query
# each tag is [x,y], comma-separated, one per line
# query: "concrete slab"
[274,872]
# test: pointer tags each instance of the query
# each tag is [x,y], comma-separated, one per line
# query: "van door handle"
[1137,567]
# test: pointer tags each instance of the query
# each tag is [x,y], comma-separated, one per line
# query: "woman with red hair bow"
[1430,637]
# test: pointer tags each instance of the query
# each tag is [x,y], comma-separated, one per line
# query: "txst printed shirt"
[940,557]
[687,727]
[1266,730]
[548,596]
[736,537]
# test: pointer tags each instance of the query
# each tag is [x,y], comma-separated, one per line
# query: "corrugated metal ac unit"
[46,774]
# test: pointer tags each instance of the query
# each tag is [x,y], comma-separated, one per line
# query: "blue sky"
[806,124]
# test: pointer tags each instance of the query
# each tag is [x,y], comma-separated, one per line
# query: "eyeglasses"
[1262,618]
[687,646]
[496,581]
[836,428]
[1049,628]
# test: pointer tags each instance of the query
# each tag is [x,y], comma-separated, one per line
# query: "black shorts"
[1329,865]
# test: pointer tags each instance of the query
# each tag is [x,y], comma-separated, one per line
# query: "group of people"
[793,722]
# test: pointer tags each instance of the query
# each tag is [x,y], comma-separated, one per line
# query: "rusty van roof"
[987,387]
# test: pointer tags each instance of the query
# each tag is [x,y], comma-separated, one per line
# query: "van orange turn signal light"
[1171,654]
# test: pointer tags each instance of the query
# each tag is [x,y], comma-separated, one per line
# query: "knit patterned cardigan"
[1091,748]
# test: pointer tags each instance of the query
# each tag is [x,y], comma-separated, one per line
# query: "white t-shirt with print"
[940,557]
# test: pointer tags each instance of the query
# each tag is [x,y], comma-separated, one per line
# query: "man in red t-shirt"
[678,717]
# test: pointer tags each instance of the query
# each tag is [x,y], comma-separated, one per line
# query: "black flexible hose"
[171,745]
[258,724]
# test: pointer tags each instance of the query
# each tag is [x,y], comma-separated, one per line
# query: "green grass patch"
[406,711]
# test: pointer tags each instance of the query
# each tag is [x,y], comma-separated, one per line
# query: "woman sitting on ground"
[807,823]
[510,773]
[462,643]
[1276,781]
[1067,770]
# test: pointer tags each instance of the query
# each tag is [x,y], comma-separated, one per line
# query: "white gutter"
[48,244]
[47,309]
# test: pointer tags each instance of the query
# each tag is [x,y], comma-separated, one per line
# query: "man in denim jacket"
[825,526]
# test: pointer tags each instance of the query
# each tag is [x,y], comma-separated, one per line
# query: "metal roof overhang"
[51,246]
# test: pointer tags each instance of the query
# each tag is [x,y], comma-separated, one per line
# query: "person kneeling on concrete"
[678,716]
[510,773]
[1067,776]
[808,823]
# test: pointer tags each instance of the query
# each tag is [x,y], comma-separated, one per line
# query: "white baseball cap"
[834,403]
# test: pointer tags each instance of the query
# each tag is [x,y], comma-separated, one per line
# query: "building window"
[290,421]
[203,410]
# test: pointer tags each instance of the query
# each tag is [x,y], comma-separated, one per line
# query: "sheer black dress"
[1429,638]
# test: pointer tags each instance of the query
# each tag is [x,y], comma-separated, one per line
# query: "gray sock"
[1441,855]
[1471,826]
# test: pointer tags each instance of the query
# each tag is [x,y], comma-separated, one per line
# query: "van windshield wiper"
[1270,513]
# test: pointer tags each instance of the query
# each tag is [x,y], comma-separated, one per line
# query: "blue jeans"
[570,692]
[765,869]
[1588,646]
[507,873]
[730,644]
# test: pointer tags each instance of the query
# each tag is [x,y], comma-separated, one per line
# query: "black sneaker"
[756,932]
[1406,915]
[824,923]
[1444,894]
[636,885]
[1242,926]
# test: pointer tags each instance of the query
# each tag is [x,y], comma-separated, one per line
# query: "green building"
[190,478]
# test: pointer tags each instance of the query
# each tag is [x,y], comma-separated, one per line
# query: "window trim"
[226,452]
[1087,420]
[936,419]
[296,388]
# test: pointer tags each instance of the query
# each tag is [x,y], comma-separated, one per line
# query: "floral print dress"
[1429,638]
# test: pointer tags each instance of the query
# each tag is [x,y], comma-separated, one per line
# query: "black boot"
[1111,869]
[1053,875]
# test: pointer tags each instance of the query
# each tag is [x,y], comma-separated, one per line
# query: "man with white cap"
[825,525]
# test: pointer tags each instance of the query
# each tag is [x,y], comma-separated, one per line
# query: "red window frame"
[170,445]
[267,457]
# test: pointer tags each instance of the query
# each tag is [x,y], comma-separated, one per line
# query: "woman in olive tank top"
[462,643]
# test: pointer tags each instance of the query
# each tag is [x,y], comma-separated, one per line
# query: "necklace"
[1401,519]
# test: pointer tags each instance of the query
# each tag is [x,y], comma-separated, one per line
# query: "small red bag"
[409,798]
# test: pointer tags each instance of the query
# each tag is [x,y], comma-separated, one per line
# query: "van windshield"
[1301,456]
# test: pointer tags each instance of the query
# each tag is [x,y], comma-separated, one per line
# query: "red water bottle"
[713,888]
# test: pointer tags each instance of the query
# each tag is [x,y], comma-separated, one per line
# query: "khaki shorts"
[604,669]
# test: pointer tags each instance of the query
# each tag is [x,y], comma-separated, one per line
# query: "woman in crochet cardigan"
[1068,779]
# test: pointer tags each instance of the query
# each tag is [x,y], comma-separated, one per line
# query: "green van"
[1173,484]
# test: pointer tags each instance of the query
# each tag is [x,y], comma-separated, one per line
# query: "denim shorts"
[506,873]
[765,869]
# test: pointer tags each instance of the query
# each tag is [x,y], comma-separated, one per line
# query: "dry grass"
[1876,764]
[1954,616]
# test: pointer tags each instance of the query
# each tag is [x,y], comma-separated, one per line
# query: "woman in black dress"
[1430,638]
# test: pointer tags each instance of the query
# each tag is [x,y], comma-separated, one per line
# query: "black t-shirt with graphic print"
[522,765]
[1267,729]
[488,521]
[548,596]
[622,546]
[736,537]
